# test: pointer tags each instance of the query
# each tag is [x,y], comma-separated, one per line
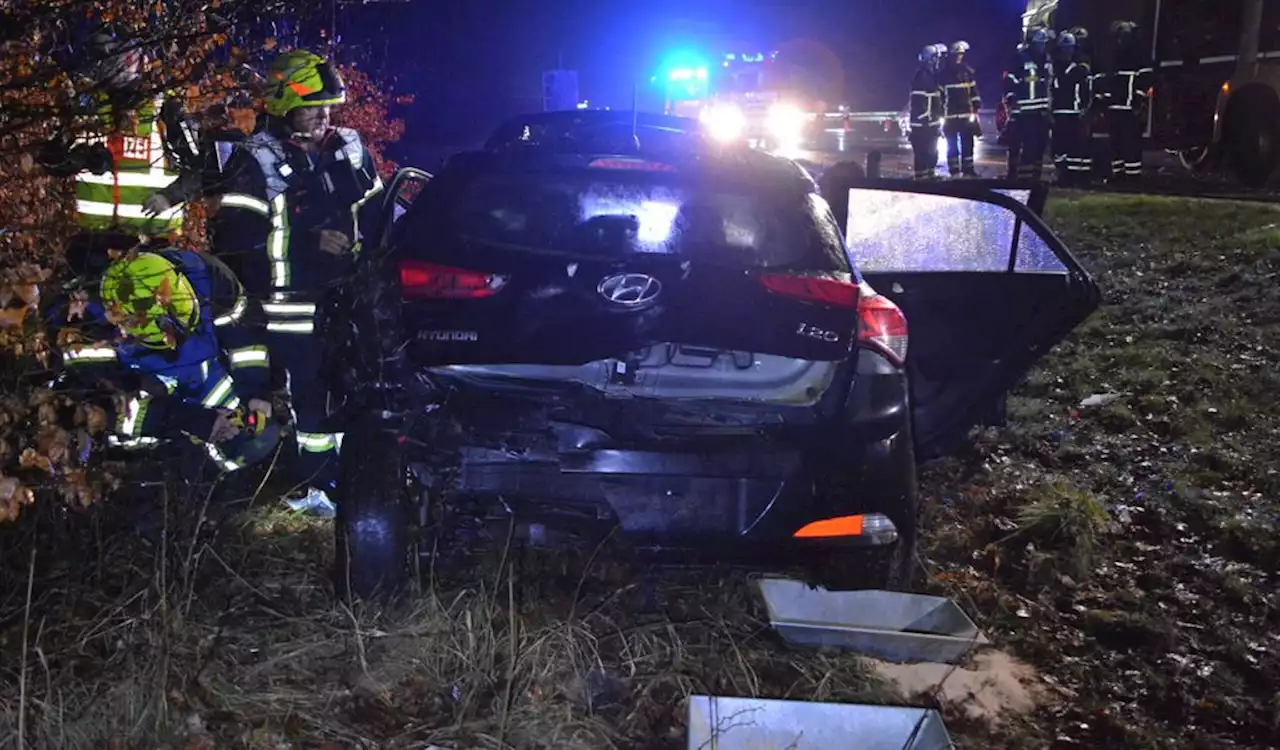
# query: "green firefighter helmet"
[302,79]
[150,300]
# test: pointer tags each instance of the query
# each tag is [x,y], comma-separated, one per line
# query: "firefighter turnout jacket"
[113,201]
[959,91]
[277,198]
[173,392]
[1027,84]
[1072,89]
[1126,88]
[926,99]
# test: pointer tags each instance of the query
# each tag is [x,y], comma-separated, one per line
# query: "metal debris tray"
[888,625]
[719,723]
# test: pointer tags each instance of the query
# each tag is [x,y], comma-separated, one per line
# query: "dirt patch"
[992,685]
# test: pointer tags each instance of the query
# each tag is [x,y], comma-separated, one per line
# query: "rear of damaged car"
[694,351]
[677,354]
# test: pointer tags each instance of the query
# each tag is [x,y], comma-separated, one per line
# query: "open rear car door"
[986,287]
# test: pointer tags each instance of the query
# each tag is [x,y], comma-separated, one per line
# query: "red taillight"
[819,289]
[420,280]
[882,325]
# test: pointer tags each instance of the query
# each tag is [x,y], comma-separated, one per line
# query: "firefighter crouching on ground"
[147,333]
[1072,97]
[1027,89]
[961,103]
[298,202]
[119,162]
[1124,92]
[926,112]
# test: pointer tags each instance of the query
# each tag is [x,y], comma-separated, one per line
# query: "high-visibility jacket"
[173,393]
[1127,86]
[277,197]
[113,201]
[926,99]
[1072,89]
[960,98]
[1026,84]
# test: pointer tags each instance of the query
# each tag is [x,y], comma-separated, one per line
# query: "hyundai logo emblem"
[630,289]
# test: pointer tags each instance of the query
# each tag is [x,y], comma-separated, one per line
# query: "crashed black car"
[603,325]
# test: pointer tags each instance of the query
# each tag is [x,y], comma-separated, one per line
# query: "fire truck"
[1216,97]
[762,97]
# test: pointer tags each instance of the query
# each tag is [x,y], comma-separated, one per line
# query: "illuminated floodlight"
[724,121]
[786,123]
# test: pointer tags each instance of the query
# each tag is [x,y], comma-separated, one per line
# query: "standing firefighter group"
[1052,98]
[216,350]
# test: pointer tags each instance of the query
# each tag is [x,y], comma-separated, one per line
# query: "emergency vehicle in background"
[1216,97]
[762,98]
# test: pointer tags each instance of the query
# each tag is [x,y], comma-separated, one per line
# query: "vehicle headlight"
[724,122]
[785,122]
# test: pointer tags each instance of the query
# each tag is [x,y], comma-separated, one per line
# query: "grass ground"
[1128,551]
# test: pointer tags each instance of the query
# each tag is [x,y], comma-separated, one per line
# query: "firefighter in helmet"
[1124,93]
[299,201]
[1027,91]
[1072,97]
[926,112]
[961,104]
[147,328]
[119,160]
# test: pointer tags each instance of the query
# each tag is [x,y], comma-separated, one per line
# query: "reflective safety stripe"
[130,422]
[289,309]
[155,178]
[96,208]
[132,443]
[291,326]
[220,458]
[317,442]
[250,356]
[90,354]
[247,202]
[278,243]
[237,310]
[221,392]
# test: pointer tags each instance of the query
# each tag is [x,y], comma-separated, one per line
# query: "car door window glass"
[901,231]
[1035,255]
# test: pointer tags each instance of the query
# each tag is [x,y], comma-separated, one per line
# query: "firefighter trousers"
[924,148]
[1125,126]
[301,357]
[959,134]
[1071,155]
[1033,131]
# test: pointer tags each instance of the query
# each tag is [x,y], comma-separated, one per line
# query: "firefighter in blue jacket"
[298,203]
[1027,91]
[926,112]
[149,331]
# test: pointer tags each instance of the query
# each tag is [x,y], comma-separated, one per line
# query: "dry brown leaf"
[13,317]
[32,459]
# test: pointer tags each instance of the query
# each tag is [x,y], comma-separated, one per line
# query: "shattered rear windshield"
[618,215]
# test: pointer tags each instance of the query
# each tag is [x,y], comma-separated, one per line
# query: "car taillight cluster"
[881,324]
[421,280]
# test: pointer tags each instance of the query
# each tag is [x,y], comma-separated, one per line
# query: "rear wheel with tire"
[371,528]
[1253,138]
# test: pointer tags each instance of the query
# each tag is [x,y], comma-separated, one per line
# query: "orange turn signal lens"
[828,527]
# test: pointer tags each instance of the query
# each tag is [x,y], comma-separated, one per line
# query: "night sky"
[473,63]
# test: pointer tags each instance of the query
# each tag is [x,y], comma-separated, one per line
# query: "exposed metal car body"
[604,324]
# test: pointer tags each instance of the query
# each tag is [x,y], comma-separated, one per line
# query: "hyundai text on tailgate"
[601,326]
